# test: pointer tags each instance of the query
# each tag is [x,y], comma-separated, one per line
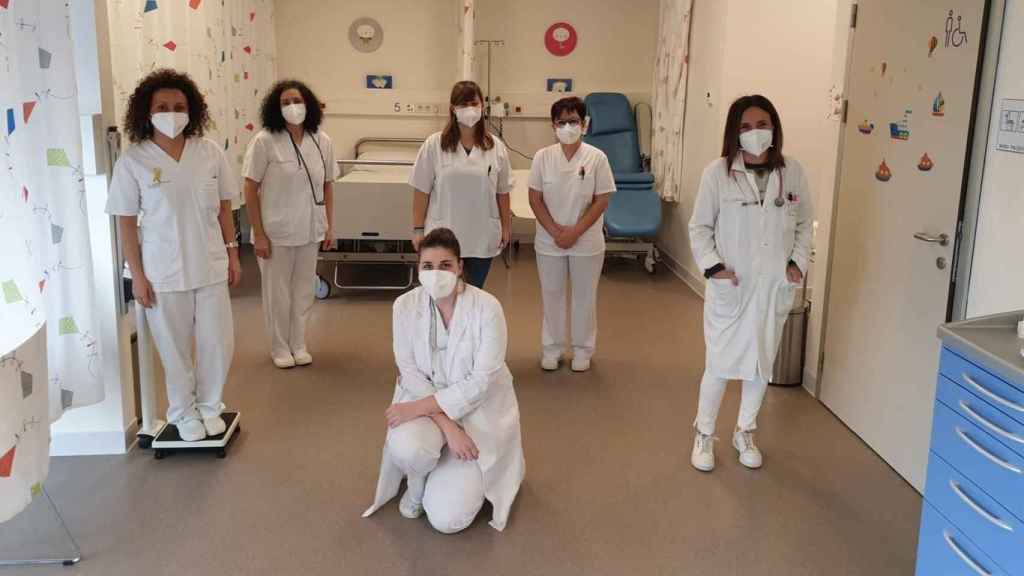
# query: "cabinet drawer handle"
[990,425]
[992,395]
[977,507]
[963,555]
[990,456]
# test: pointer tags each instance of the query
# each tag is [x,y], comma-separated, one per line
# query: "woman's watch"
[232,244]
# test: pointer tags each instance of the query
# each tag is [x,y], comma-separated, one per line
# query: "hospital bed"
[634,211]
[372,211]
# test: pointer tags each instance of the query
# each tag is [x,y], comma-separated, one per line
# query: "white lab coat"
[743,324]
[463,191]
[479,395]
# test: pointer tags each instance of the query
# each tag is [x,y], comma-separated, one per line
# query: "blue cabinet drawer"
[981,458]
[992,389]
[982,414]
[984,521]
[942,550]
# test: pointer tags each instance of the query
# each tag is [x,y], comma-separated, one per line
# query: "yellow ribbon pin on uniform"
[157,173]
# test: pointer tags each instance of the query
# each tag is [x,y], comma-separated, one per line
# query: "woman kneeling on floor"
[453,426]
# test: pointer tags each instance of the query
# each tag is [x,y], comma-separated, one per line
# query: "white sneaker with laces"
[750,456]
[302,358]
[549,363]
[703,456]
[214,426]
[191,430]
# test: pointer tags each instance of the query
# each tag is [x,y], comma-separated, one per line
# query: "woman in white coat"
[571,183]
[289,171]
[751,235]
[461,182]
[172,191]
[453,425]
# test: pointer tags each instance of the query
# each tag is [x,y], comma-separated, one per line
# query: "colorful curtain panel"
[226,46]
[670,71]
[45,260]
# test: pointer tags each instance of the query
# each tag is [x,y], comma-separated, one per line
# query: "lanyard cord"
[302,161]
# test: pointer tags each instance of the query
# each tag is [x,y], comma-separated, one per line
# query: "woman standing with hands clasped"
[570,185]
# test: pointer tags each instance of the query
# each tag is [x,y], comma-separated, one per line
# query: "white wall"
[615,52]
[793,52]
[997,278]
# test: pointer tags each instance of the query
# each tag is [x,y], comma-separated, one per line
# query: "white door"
[911,85]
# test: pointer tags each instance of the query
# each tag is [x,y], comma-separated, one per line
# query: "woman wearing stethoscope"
[453,424]
[461,182]
[751,235]
[289,169]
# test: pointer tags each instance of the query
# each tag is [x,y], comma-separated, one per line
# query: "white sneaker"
[302,358]
[549,363]
[214,426]
[750,456]
[284,361]
[191,430]
[411,505]
[580,364]
[703,456]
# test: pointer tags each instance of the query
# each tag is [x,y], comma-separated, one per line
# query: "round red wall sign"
[560,39]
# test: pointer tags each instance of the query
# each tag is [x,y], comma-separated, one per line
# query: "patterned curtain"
[49,359]
[670,71]
[226,46]
[467,38]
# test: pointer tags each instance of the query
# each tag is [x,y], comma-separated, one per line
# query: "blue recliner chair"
[634,211]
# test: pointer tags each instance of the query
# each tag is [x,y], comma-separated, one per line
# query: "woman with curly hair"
[172,191]
[289,169]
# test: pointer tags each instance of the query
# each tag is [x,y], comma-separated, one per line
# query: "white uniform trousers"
[583,272]
[287,286]
[454,492]
[712,389]
[198,320]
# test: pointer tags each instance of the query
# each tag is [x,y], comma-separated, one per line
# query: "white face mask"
[438,283]
[170,124]
[755,142]
[569,134]
[469,115]
[294,113]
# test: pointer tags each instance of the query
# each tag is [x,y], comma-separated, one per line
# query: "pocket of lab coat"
[724,297]
[785,298]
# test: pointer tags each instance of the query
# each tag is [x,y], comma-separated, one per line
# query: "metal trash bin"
[789,363]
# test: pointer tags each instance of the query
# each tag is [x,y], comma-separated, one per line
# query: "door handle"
[940,239]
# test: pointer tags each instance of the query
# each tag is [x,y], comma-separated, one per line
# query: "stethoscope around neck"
[780,199]
[322,200]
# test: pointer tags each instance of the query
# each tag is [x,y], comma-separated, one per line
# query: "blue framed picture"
[559,84]
[379,82]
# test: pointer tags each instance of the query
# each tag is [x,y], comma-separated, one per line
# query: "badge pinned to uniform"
[866,127]
[157,176]
[926,163]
